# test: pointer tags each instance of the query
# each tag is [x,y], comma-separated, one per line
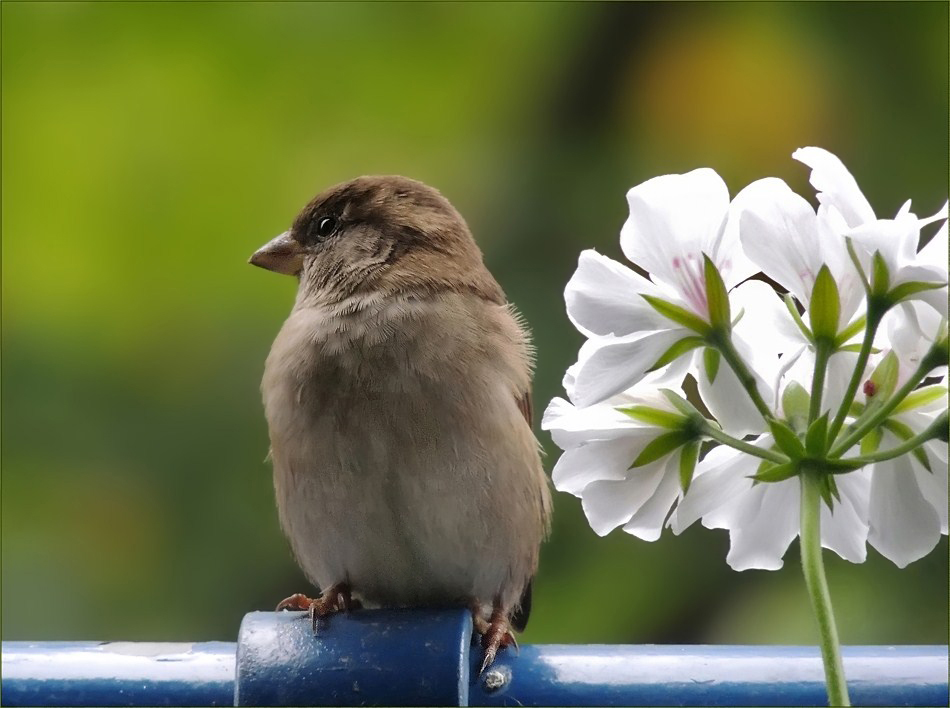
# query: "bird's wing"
[526,407]
[519,619]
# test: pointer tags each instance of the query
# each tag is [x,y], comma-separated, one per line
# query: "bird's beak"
[281,255]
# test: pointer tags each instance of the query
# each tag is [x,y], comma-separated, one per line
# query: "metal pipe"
[427,657]
[118,674]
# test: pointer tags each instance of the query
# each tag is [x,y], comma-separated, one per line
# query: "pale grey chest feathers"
[327,354]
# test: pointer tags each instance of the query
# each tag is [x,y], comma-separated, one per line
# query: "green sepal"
[797,318]
[828,489]
[711,359]
[905,432]
[856,348]
[677,350]
[737,318]
[786,439]
[717,298]
[681,404]
[677,314]
[880,275]
[771,472]
[871,441]
[689,455]
[907,290]
[816,438]
[661,446]
[654,416]
[921,397]
[824,307]
[795,405]
[852,329]
[884,376]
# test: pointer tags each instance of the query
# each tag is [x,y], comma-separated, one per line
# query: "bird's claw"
[335,599]
[496,634]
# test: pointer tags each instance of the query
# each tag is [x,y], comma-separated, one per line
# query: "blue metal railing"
[425,657]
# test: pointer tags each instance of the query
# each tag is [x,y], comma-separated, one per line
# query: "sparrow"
[398,402]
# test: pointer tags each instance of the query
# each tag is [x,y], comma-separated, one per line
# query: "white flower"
[835,186]
[790,242]
[674,220]
[600,444]
[754,369]
[895,239]
[783,236]
[627,336]
[763,519]
[908,505]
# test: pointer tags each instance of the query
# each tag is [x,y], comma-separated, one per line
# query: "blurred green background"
[148,149]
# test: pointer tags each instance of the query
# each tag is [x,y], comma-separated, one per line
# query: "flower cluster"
[816,340]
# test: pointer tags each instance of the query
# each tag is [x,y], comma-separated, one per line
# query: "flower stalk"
[724,345]
[711,431]
[814,571]
[873,320]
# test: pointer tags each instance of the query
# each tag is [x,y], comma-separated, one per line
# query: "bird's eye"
[326,226]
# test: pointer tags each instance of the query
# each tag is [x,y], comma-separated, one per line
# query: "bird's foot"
[496,634]
[336,598]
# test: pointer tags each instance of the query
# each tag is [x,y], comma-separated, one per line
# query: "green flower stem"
[814,572]
[873,320]
[939,425]
[723,342]
[926,366]
[822,355]
[711,431]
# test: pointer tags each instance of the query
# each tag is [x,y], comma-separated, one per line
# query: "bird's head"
[376,234]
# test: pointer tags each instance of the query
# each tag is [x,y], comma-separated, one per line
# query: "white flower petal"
[609,365]
[567,382]
[942,213]
[603,297]
[571,426]
[647,523]
[611,504]
[903,525]
[936,297]
[596,461]
[837,376]
[765,321]
[835,185]
[834,253]
[935,252]
[779,233]
[674,219]
[896,239]
[844,529]
[764,525]
[721,476]
[933,485]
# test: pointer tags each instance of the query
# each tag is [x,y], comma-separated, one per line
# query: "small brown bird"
[398,399]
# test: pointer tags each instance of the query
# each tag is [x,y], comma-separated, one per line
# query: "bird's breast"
[399,451]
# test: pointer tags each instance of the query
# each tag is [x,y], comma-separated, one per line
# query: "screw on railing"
[426,657]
